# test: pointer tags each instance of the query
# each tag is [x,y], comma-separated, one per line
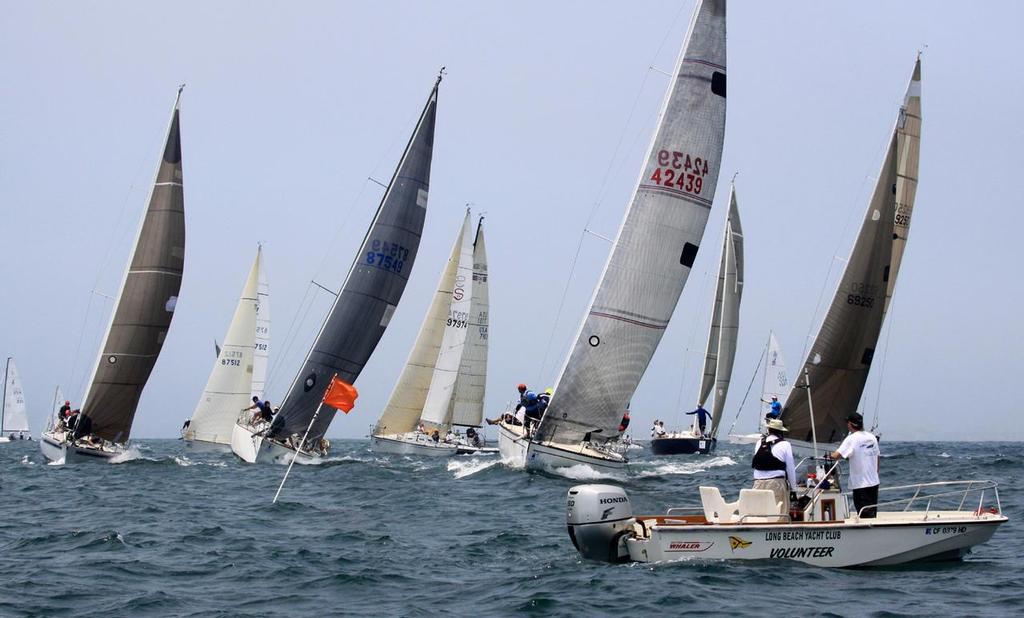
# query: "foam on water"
[131,453]
[461,468]
[666,468]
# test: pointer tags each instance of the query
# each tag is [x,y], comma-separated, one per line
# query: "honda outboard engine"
[599,517]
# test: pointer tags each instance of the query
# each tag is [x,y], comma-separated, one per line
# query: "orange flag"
[341,395]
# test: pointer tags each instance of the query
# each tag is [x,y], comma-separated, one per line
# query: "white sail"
[467,406]
[228,389]
[15,415]
[775,382]
[261,349]
[407,401]
[656,244]
[449,356]
[727,302]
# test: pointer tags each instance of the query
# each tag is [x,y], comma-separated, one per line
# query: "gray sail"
[656,243]
[145,305]
[840,358]
[731,291]
[467,404]
[374,285]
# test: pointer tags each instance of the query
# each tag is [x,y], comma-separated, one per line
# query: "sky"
[291,110]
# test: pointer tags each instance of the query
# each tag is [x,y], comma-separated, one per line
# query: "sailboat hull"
[519,451]
[202,446]
[683,445]
[512,444]
[55,450]
[405,444]
[253,448]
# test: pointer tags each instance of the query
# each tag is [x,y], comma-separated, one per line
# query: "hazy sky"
[543,121]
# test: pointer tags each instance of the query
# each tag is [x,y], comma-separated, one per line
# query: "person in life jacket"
[543,400]
[624,423]
[531,410]
[773,464]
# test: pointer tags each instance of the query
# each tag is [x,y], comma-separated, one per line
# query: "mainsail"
[373,287]
[425,386]
[230,383]
[146,301]
[840,358]
[656,243]
[467,404]
[776,382]
[15,417]
[725,320]
[261,347]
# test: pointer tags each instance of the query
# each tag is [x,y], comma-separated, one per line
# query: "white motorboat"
[443,382]
[824,533]
[139,323]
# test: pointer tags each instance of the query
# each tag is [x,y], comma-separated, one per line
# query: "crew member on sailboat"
[702,418]
[773,464]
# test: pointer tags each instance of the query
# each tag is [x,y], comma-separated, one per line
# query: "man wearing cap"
[860,448]
[773,464]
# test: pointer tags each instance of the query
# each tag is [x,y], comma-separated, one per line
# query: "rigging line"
[885,355]
[686,354]
[762,358]
[602,188]
[275,361]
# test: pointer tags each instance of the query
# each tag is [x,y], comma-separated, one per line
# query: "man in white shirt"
[860,448]
[773,464]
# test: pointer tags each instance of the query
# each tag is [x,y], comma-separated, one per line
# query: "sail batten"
[373,287]
[655,247]
[840,358]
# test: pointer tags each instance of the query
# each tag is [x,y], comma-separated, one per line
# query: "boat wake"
[469,467]
[185,462]
[583,472]
[26,461]
[130,454]
[667,468]
[58,462]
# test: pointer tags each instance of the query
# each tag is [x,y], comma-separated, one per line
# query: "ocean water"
[171,532]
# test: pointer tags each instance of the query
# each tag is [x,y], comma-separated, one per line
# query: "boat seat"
[716,509]
[758,506]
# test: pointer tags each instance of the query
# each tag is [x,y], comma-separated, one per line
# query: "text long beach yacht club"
[436,407]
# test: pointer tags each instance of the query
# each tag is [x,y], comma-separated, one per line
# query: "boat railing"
[947,491]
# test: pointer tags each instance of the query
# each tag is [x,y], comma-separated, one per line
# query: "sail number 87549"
[680,171]
[387,255]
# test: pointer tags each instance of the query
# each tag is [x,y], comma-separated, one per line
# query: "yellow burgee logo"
[736,542]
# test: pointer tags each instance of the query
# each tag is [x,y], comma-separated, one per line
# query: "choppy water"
[170,532]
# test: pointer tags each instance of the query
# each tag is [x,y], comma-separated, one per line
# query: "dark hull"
[683,446]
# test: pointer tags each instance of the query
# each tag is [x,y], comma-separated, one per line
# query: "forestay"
[229,386]
[146,301]
[656,243]
[373,287]
[725,321]
[467,405]
[840,358]
[409,399]
[15,416]
[261,346]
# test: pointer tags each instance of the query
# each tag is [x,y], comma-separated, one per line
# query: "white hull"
[406,444]
[4,439]
[252,448]
[885,541]
[57,450]
[517,450]
[202,446]
[477,450]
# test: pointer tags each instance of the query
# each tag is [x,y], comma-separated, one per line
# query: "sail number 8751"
[387,255]
[680,171]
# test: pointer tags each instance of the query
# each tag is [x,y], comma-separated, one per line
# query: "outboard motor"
[599,517]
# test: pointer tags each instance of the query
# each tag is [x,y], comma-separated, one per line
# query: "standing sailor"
[773,464]
[861,449]
[702,418]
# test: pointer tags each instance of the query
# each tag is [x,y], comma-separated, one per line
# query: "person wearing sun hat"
[773,464]
[860,448]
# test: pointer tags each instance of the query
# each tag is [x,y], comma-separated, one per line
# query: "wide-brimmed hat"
[777,425]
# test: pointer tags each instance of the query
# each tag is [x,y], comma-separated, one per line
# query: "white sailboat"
[14,416]
[721,349]
[231,382]
[649,264]
[261,346]
[774,385]
[138,324]
[442,384]
[361,312]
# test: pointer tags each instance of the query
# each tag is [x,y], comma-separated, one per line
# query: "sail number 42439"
[681,171]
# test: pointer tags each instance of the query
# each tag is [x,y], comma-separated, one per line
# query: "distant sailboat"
[647,268]
[361,311]
[231,382]
[139,322]
[442,384]
[774,385]
[840,358]
[14,417]
[261,347]
[721,349]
